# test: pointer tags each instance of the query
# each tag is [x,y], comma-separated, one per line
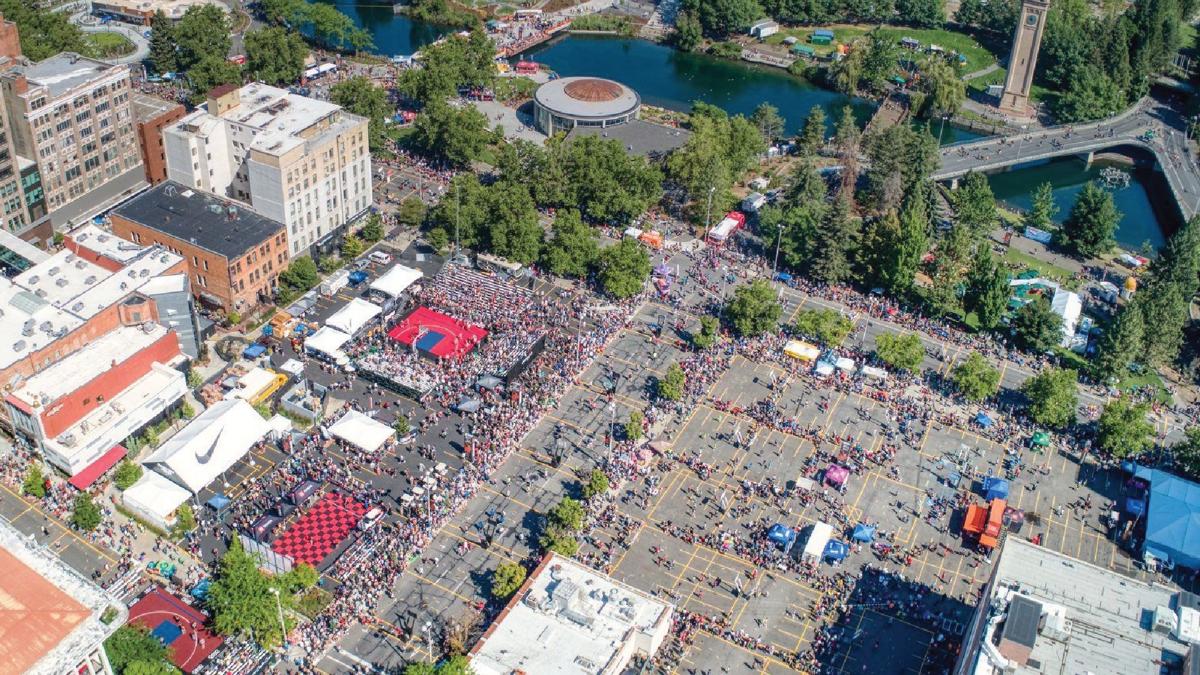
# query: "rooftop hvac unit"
[91,279]
[77,307]
[144,273]
[1165,621]
[61,283]
[34,279]
[19,346]
[54,270]
[102,238]
[27,329]
[79,264]
[70,257]
[46,326]
[41,292]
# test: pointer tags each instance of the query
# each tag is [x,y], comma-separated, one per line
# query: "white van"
[380,257]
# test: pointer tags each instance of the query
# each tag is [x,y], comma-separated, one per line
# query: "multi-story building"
[22,209]
[142,12]
[72,116]
[296,160]
[234,255]
[153,114]
[87,355]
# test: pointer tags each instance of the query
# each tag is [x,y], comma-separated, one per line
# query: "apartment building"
[72,116]
[22,207]
[153,114]
[296,160]
[234,255]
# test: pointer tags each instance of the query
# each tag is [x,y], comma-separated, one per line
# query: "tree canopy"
[975,378]
[132,644]
[1123,429]
[1088,230]
[573,248]
[754,309]
[827,326]
[623,269]
[360,96]
[275,55]
[507,579]
[1053,396]
[903,352]
[450,135]
[1036,327]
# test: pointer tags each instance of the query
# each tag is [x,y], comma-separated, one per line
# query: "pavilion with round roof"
[568,102]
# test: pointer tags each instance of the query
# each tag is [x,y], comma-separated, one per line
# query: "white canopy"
[210,445]
[877,373]
[355,427]
[845,364]
[396,280]
[280,426]
[327,341]
[351,318]
[155,499]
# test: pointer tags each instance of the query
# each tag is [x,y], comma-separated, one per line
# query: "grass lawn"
[1146,379]
[108,44]
[1048,270]
[978,57]
[980,84]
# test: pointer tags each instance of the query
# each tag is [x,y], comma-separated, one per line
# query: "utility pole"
[708,219]
[775,265]
[457,215]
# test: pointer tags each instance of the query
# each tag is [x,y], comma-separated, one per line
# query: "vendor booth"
[362,431]
[801,351]
[818,537]
[395,281]
[154,499]
[327,343]
[354,316]
[210,445]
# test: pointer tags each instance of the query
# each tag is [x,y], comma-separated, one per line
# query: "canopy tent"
[824,368]
[154,499]
[1173,519]
[362,431]
[1135,506]
[820,535]
[836,475]
[354,316]
[254,351]
[293,367]
[845,364]
[781,535]
[836,551]
[211,444]
[801,350]
[864,533]
[488,382]
[995,488]
[983,420]
[1040,439]
[396,280]
[280,426]
[468,405]
[874,373]
[327,341]
[218,502]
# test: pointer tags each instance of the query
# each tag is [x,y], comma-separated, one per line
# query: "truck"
[335,283]
[732,222]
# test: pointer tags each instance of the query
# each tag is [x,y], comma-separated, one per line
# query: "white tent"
[354,316]
[327,341]
[280,426]
[875,373]
[154,499]
[211,444]
[355,427]
[396,280]
[1069,306]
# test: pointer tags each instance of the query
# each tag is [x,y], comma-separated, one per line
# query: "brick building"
[152,115]
[234,255]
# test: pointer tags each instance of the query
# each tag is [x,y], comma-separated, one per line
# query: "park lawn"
[1148,378]
[980,84]
[978,57]
[1045,269]
[108,44]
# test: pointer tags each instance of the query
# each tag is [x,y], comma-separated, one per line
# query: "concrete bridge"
[1169,146]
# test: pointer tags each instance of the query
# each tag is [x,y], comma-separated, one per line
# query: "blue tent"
[836,551]
[254,351]
[217,502]
[983,420]
[781,534]
[864,533]
[783,276]
[1173,519]
[1135,506]
[995,488]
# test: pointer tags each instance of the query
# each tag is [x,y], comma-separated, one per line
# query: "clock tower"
[1027,40]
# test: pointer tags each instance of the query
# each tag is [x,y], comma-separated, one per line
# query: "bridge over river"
[1167,143]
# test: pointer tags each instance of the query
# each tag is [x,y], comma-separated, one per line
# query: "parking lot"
[675,532]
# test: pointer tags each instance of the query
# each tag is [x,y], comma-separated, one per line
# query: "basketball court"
[177,625]
[437,335]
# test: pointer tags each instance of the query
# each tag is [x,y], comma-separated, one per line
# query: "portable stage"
[437,335]
[322,529]
[171,621]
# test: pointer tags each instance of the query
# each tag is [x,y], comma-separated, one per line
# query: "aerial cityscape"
[599,337]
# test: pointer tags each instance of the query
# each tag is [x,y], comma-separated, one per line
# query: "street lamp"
[282,626]
[708,218]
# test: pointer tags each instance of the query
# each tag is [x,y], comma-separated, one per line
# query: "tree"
[333,29]
[689,34]
[201,33]
[210,72]
[597,484]
[975,378]
[944,90]
[241,600]
[301,274]
[1036,327]
[707,335]
[127,474]
[1123,430]
[902,159]
[163,44]
[987,289]
[43,31]
[293,13]
[827,326]
[769,122]
[975,205]
[402,426]
[622,269]
[1088,229]
[185,520]
[721,17]
[131,644]
[604,181]
[847,137]
[301,577]
[671,386]
[373,230]
[754,309]
[352,247]
[573,248]
[150,668]
[902,352]
[836,243]
[35,481]
[1090,95]
[812,136]
[85,515]
[896,247]
[360,96]
[275,55]
[1121,344]
[1043,209]
[412,211]
[922,13]
[507,579]
[568,514]
[514,231]
[633,427]
[559,541]
[450,135]
[1187,452]
[1052,396]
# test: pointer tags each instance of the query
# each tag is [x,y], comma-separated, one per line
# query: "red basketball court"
[178,625]
[437,334]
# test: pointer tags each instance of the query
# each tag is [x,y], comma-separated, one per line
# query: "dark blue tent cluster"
[1173,518]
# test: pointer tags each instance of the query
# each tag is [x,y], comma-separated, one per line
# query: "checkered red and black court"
[320,530]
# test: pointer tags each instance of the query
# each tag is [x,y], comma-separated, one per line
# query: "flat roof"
[1094,617]
[29,323]
[567,618]
[224,227]
[639,136]
[146,107]
[61,278]
[277,115]
[63,72]
[85,364]
[49,614]
[587,97]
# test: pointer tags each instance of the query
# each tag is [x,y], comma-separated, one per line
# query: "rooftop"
[224,227]
[64,71]
[61,278]
[49,615]
[568,618]
[639,136]
[587,97]
[174,9]
[1088,619]
[146,107]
